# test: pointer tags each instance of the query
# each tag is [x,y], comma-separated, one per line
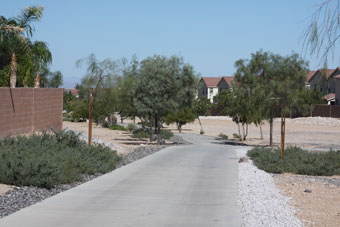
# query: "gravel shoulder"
[261,202]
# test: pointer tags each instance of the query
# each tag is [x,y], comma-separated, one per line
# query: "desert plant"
[51,159]
[140,133]
[131,127]
[201,132]
[237,136]
[166,134]
[223,136]
[296,161]
[117,127]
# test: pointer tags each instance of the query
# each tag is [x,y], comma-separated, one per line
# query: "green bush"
[223,136]
[131,127]
[48,160]
[140,133]
[117,127]
[296,161]
[166,134]
[237,136]
[201,132]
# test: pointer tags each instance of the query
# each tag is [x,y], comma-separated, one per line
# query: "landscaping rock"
[308,191]
[243,159]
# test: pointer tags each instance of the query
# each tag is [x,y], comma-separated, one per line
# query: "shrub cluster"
[117,127]
[296,161]
[223,136]
[145,133]
[48,160]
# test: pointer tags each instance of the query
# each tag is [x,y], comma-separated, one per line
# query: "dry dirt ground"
[316,199]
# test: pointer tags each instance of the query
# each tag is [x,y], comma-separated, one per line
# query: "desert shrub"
[237,136]
[106,124]
[140,133]
[48,160]
[166,134]
[296,161]
[131,127]
[223,136]
[201,132]
[117,127]
[67,117]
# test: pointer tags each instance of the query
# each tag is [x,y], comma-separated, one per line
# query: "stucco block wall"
[25,110]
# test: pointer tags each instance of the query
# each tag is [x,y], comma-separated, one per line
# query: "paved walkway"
[194,185]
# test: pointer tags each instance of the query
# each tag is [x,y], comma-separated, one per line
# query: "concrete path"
[194,185]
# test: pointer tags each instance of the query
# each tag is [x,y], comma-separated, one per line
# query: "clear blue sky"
[210,34]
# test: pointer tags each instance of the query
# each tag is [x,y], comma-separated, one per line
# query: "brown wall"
[326,111]
[30,109]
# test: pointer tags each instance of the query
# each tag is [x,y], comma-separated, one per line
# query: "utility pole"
[90,115]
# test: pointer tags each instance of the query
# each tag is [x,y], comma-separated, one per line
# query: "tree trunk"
[271,132]
[13,68]
[238,125]
[156,124]
[283,130]
[159,132]
[261,133]
[150,127]
[243,133]
[37,79]
[25,82]
[179,127]
[199,121]
[245,136]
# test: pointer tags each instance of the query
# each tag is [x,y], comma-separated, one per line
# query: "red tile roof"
[337,77]
[73,91]
[327,72]
[228,79]
[310,75]
[211,81]
[329,96]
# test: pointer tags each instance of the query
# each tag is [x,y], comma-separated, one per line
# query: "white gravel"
[261,202]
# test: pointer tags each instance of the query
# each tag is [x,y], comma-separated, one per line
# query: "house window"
[211,91]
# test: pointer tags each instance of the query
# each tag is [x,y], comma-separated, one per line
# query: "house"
[329,98]
[208,87]
[309,76]
[225,83]
[337,90]
[323,80]
[72,91]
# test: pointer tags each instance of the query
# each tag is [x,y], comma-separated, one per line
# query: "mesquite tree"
[164,85]
[288,81]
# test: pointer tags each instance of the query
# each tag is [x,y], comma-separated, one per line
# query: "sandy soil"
[4,188]
[318,207]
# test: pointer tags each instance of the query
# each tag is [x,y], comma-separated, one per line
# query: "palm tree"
[41,55]
[14,29]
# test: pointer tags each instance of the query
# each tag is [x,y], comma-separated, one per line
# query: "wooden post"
[90,115]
